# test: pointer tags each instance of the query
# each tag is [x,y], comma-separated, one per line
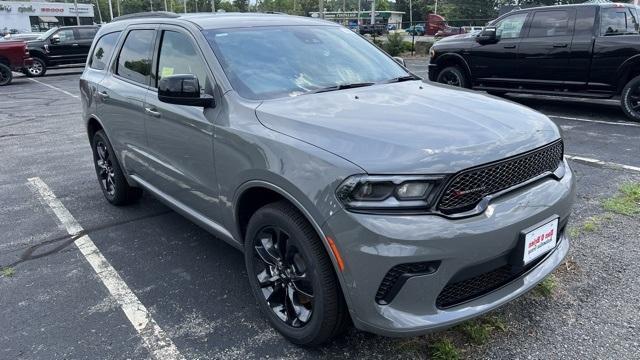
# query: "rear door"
[496,64]
[543,56]
[84,37]
[122,94]
[180,137]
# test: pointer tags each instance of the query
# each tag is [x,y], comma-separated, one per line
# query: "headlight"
[363,192]
[432,53]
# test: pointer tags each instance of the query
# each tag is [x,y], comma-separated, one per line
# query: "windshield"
[271,62]
[47,34]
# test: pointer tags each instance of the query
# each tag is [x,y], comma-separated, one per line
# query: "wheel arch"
[451,59]
[629,69]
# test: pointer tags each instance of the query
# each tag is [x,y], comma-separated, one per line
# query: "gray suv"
[357,192]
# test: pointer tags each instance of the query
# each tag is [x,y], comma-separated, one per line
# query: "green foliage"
[477,331]
[627,202]
[395,44]
[444,349]
[547,286]
[7,271]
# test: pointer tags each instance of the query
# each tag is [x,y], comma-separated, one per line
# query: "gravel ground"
[54,307]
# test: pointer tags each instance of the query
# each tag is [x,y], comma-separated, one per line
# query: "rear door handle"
[75,45]
[509,46]
[153,112]
[559,45]
[103,95]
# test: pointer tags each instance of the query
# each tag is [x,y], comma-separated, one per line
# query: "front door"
[84,37]
[496,64]
[180,137]
[544,53]
[62,46]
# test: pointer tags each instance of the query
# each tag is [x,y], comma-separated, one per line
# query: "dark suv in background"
[585,50]
[60,46]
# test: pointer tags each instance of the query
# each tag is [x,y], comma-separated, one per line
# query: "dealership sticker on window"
[166,71]
[539,241]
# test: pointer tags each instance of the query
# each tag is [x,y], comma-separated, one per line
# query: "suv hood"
[410,127]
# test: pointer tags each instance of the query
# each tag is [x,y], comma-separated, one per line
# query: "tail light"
[26,50]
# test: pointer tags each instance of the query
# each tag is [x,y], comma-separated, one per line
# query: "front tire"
[630,99]
[112,181]
[453,76]
[292,277]
[37,68]
[5,75]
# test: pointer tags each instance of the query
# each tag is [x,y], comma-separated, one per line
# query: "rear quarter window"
[134,62]
[103,50]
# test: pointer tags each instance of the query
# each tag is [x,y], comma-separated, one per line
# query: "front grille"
[468,187]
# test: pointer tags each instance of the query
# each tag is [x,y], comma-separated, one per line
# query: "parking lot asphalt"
[55,306]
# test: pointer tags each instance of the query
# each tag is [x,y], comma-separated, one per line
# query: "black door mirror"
[55,39]
[183,90]
[488,35]
[399,60]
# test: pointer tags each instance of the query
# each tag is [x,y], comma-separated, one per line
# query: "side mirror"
[488,35]
[183,90]
[399,60]
[55,39]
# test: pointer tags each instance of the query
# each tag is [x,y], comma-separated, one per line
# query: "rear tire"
[5,75]
[37,68]
[110,176]
[299,294]
[630,99]
[453,76]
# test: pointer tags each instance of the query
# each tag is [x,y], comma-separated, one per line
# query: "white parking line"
[613,165]
[154,338]
[55,88]
[595,121]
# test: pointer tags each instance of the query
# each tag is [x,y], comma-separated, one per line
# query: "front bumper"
[373,244]
[433,71]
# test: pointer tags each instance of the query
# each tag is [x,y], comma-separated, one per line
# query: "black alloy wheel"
[291,276]
[112,181]
[281,271]
[5,75]
[453,76]
[630,99]
[104,164]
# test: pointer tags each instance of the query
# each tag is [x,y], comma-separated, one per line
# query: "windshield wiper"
[341,87]
[404,78]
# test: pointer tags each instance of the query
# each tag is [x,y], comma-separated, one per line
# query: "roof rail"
[148,14]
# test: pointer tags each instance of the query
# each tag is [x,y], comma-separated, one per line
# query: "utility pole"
[410,13]
[185,6]
[165,6]
[151,3]
[435,11]
[321,9]
[118,7]
[359,11]
[75,3]
[373,13]
[196,1]
[99,13]
[110,11]
[213,5]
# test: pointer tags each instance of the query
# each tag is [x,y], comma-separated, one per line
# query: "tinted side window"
[549,23]
[102,51]
[134,62]
[86,33]
[511,26]
[65,35]
[178,56]
[618,21]
[585,18]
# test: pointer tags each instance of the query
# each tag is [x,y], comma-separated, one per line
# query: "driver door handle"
[75,44]
[509,46]
[153,112]
[560,45]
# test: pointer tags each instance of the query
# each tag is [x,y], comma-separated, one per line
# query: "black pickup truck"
[586,50]
[60,46]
